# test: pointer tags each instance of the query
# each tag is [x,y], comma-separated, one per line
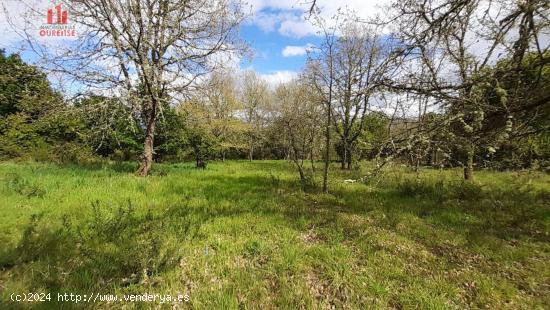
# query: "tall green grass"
[249,235]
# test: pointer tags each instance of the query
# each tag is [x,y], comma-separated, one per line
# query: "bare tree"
[320,71]
[359,62]
[300,114]
[148,52]
[255,97]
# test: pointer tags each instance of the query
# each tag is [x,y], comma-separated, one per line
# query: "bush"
[466,191]
[113,245]
[440,190]
[419,188]
[23,187]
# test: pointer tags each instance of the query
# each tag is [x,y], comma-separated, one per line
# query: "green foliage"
[504,115]
[416,188]
[441,190]
[308,183]
[35,122]
[111,130]
[200,142]
[374,135]
[23,88]
[172,139]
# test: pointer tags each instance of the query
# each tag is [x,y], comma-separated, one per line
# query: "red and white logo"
[61,15]
[57,24]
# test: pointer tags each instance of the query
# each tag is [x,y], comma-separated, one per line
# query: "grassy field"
[244,235]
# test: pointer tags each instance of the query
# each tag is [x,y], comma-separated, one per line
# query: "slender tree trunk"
[311,160]
[327,129]
[147,157]
[327,148]
[344,158]
[301,171]
[251,150]
[349,159]
[469,167]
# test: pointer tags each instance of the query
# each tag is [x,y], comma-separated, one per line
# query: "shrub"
[72,153]
[466,191]
[440,190]
[23,187]
[419,188]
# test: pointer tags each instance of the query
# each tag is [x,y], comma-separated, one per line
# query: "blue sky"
[269,46]
[271,51]
[279,33]
[276,31]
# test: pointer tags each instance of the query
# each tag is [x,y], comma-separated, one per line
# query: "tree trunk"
[344,158]
[301,171]
[469,167]
[349,160]
[327,150]
[147,157]
[327,131]
[311,160]
[251,151]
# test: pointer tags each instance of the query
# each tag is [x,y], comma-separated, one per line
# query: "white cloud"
[266,22]
[279,77]
[297,27]
[289,17]
[259,5]
[292,50]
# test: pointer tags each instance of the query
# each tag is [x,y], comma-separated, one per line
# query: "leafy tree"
[374,135]
[255,97]
[220,97]
[35,121]
[518,106]
[148,52]
[199,139]
[111,129]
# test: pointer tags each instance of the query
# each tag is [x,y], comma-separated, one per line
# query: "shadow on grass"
[469,209]
[460,208]
[112,247]
[121,246]
[125,247]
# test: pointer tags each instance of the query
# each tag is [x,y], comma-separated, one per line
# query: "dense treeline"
[283,123]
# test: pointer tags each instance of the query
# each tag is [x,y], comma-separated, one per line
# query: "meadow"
[247,235]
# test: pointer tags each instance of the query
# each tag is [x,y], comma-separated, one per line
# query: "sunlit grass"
[244,235]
